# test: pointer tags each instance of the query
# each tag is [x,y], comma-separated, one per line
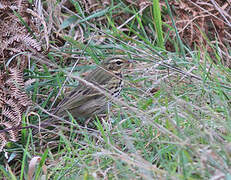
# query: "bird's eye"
[119,62]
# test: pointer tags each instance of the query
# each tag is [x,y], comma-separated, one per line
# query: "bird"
[85,102]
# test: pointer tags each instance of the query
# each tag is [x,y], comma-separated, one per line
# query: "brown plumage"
[84,101]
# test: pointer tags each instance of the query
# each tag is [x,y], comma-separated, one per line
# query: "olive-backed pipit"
[84,101]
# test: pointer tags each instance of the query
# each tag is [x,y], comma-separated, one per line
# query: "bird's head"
[115,64]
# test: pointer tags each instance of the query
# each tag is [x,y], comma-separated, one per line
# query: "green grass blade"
[158,23]
[182,52]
